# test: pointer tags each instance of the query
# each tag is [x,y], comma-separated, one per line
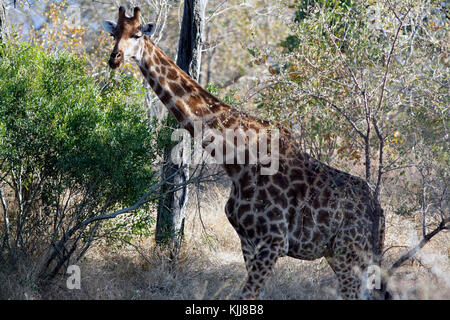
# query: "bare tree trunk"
[2,21]
[191,37]
[172,205]
[5,241]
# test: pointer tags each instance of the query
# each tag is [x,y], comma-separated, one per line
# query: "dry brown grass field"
[211,266]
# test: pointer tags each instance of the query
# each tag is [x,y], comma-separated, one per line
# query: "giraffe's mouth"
[114,63]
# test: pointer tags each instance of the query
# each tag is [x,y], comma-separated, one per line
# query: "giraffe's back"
[302,207]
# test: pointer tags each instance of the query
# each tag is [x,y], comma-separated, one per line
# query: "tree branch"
[388,63]
[141,201]
[380,158]
[411,253]
[341,112]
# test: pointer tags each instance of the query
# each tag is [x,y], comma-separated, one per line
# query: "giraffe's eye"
[136,36]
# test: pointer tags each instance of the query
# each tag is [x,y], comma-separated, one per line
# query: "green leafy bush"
[69,150]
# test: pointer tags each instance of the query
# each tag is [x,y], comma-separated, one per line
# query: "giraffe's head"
[128,34]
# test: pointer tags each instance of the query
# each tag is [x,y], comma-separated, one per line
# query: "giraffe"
[306,209]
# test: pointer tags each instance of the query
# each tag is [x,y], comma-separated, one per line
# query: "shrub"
[69,151]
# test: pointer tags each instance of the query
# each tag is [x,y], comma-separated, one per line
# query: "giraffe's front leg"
[259,261]
[260,247]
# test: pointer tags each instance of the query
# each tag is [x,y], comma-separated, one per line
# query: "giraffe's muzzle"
[115,59]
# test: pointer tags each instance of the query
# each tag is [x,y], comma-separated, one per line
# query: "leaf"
[252,52]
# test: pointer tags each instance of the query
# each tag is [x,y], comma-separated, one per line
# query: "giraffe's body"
[306,210]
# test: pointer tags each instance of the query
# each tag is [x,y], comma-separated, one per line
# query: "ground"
[211,266]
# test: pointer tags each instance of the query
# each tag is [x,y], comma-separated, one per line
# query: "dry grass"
[211,267]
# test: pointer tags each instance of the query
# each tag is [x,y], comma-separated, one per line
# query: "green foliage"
[228,97]
[350,68]
[335,54]
[306,9]
[164,134]
[128,228]
[61,136]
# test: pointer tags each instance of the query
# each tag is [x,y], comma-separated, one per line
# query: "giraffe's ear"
[109,26]
[148,29]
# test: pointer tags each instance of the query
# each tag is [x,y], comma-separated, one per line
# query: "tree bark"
[172,205]
[191,37]
[2,21]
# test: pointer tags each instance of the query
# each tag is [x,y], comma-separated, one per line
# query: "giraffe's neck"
[183,96]
[190,104]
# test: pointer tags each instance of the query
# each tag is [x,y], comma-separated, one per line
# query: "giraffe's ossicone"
[306,209]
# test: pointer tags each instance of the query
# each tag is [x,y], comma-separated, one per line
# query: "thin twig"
[388,63]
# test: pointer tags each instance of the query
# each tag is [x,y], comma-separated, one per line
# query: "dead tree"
[2,21]
[172,205]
